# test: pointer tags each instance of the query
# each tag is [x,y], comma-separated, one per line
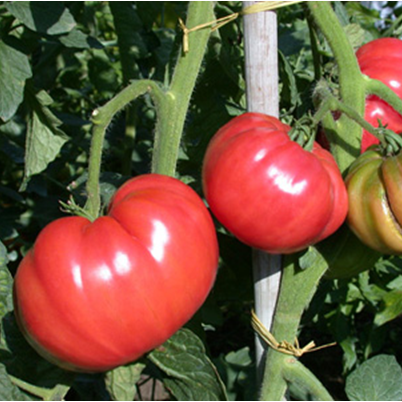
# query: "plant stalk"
[297,289]
[344,135]
[173,112]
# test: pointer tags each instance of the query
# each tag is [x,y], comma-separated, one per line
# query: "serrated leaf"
[356,34]
[50,17]
[391,307]
[121,382]
[14,71]
[6,283]
[44,138]
[377,379]
[190,373]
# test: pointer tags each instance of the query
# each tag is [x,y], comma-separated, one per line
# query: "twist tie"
[218,23]
[284,346]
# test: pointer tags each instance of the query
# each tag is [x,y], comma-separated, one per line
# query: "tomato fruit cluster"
[95,295]
[374,184]
[267,190]
[380,59]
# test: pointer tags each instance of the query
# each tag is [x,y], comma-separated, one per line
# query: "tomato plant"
[94,94]
[380,59]
[95,295]
[374,189]
[267,190]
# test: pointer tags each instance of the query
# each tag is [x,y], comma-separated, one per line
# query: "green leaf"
[190,373]
[355,34]
[377,379]
[8,391]
[391,307]
[121,382]
[50,17]
[6,283]
[44,138]
[310,258]
[79,40]
[14,71]
[30,371]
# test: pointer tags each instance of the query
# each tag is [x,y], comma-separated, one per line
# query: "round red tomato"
[380,59]
[267,190]
[95,295]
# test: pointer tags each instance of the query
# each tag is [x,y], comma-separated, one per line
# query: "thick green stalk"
[297,288]
[345,135]
[171,106]
[174,111]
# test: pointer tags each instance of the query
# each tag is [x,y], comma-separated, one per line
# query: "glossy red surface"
[381,59]
[93,296]
[267,190]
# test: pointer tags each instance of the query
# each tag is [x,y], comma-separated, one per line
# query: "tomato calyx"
[390,142]
[72,208]
[303,132]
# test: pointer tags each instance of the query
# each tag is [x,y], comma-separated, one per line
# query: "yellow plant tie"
[218,23]
[284,346]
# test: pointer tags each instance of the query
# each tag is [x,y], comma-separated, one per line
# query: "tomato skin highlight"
[380,59]
[94,296]
[267,190]
[374,185]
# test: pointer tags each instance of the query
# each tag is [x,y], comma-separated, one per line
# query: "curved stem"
[346,134]
[331,104]
[376,87]
[101,119]
[295,372]
[171,105]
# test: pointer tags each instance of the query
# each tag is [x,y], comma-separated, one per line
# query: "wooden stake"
[261,66]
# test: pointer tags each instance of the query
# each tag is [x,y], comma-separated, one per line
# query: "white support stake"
[261,66]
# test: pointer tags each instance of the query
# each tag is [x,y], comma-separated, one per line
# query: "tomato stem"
[173,112]
[344,135]
[101,119]
[297,288]
[378,88]
[296,372]
[331,104]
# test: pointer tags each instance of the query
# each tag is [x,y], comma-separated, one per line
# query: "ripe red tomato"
[380,59]
[91,296]
[267,190]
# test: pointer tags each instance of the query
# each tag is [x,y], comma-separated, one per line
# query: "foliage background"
[60,61]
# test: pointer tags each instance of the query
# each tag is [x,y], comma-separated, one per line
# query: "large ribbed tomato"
[267,190]
[94,295]
[374,184]
[381,59]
